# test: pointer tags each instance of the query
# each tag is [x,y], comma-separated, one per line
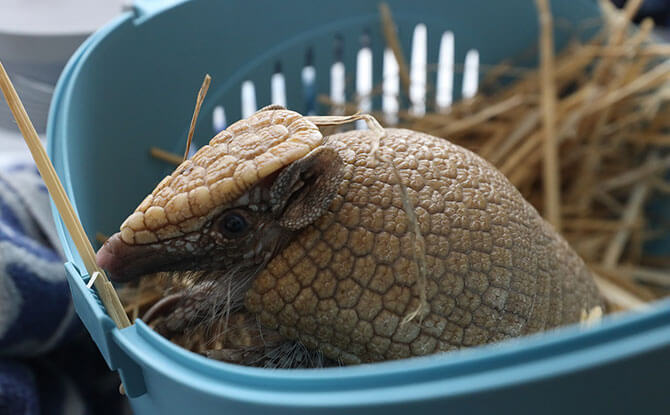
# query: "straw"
[630,215]
[166,156]
[198,103]
[105,289]
[391,37]
[552,183]
[617,296]
[101,237]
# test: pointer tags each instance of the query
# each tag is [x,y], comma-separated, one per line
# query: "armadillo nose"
[126,262]
[116,257]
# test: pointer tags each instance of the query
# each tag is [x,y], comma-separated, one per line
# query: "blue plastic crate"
[132,84]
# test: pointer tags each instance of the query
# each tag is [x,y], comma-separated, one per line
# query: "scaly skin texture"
[495,268]
[324,250]
[235,160]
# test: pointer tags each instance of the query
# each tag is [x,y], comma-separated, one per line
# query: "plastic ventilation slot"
[470,74]
[337,84]
[364,82]
[364,78]
[308,77]
[218,119]
[417,75]
[248,99]
[445,73]
[278,86]
[390,88]
[337,77]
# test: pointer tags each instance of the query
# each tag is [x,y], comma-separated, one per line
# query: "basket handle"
[145,9]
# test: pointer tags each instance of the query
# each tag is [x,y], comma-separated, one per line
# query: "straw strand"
[105,289]
[198,103]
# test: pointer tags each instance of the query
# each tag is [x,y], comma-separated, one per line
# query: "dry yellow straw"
[552,178]
[166,156]
[617,244]
[105,289]
[101,237]
[618,296]
[389,30]
[196,111]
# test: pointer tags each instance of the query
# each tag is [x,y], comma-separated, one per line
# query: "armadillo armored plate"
[236,159]
[345,279]
[495,268]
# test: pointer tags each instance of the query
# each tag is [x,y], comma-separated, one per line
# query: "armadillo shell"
[495,268]
[235,160]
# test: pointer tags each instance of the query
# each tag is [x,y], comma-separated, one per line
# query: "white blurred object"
[12,148]
[37,37]
[56,17]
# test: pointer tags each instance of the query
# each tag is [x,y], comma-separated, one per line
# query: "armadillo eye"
[234,224]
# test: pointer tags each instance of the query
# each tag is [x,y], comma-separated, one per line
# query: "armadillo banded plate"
[235,159]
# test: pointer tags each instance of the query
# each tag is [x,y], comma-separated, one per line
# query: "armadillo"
[311,233]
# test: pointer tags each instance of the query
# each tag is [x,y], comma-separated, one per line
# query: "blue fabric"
[48,365]
[36,311]
[18,390]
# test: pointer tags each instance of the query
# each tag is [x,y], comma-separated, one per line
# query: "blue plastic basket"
[132,84]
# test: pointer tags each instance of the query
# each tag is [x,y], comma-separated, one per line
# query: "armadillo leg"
[186,309]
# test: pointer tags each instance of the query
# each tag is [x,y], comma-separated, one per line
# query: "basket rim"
[515,361]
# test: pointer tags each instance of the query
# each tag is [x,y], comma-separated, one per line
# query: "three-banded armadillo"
[312,235]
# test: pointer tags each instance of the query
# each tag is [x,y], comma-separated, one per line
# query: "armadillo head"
[236,202]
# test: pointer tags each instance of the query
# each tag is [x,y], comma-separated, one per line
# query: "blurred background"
[48,363]
[659,10]
[37,37]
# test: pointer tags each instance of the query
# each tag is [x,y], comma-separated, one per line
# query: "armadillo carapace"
[313,234]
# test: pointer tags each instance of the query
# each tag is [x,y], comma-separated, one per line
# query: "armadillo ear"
[304,190]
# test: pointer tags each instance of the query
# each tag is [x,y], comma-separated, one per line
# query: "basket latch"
[101,328]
